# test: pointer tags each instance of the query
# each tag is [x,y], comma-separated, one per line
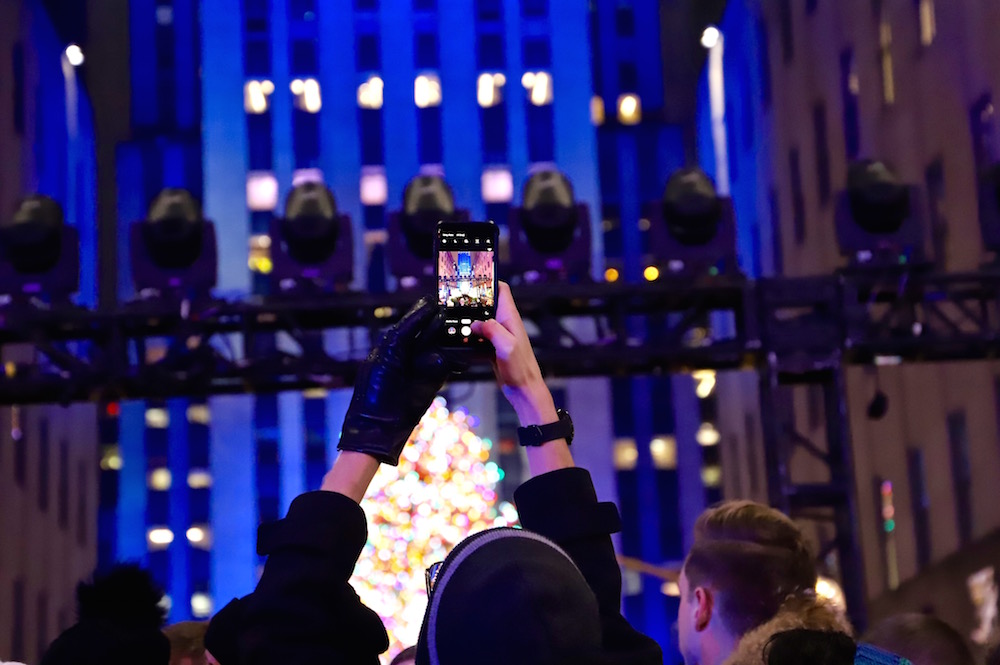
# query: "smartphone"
[466,278]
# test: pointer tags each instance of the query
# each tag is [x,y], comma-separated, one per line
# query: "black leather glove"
[396,384]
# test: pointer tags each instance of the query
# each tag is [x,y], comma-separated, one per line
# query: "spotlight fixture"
[877,217]
[312,243]
[39,252]
[427,199]
[550,232]
[174,249]
[692,230]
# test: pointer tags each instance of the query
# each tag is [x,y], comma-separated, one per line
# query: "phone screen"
[466,277]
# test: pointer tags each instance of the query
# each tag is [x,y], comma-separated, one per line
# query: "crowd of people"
[548,593]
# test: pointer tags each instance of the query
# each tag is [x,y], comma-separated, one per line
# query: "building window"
[305,139]
[534,8]
[17,63]
[308,96]
[427,90]
[304,57]
[777,258]
[537,53]
[625,21]
[424,5]
[429,135]
[787,34]
[628,77]
[935,187]
[850,90]
[489,10]
[493,119]
[798,199]
[919,505]
[425,51]
[62,492]
[928,21]
[885,59]
[365,5]
[372,141]
[822,147]
[490,53]
[367,54]
[629,109]
[256,96]
[257,56]
[961,474]
[17,625]
[541,133]
[44,450]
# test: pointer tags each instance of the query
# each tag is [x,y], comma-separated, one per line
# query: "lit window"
[489,89]
[928,22]
[302,176]
[307,95]
[707,435]
[705,382]
[427,91]
[111,458]
[374,186]
[259,258]
[711,476]
[539,87]
[663,449]
[262,191]
[888,73]
[597,110]
[199,413]
[497,185]
[200,536]
[629,109]
[164,15]
[159,479]
[199,479]
[159,537]
[255,96]
[201,605]
[370,93]
[157,418]
[625,454]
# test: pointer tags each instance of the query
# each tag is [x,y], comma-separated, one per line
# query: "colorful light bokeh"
[443,489]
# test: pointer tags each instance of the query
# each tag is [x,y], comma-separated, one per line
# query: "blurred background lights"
[427,91]
[74,55]
[201,605]
[443,489]
[370,93]
[539,87]
[710,37]
[489,89]
[629,109]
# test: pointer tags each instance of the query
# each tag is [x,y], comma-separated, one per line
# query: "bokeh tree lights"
[443,489]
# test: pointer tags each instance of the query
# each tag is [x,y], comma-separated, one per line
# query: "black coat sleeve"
[562,506]
[304,611]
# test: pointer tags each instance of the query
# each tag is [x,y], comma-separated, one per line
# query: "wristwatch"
[536,435]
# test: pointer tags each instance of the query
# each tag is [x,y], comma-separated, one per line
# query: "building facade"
[910,83]
[48,454]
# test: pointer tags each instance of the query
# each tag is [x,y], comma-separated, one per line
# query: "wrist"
[533,404]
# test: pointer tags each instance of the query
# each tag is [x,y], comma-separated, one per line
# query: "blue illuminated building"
[364,95]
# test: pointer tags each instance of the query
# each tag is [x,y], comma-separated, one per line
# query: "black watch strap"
[536,435]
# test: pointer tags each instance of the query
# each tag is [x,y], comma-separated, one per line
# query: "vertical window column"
[305,88]
[491,61]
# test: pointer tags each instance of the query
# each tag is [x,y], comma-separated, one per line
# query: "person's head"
[921,638]
[535,602]
[747,560]
[407,656]
[222,635]
[187,642]
[120,622]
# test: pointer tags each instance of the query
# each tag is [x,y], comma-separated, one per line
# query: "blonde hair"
[187,642]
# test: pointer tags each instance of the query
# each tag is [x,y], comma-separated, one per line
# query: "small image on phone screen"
[466,277]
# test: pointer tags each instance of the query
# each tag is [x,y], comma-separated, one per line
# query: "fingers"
[507,313]
[411,325]
[502,339]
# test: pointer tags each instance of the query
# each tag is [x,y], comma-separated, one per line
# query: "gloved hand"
[396,384]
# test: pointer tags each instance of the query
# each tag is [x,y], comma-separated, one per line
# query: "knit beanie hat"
[119,622]
[507,596]
[222,636]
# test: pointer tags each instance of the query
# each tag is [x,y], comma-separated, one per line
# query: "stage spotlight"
[550,232]
[174,248]
[692,229]
[877,218]
[39,253]
[312,243]
[427,199]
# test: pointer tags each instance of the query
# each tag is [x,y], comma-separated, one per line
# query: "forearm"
[350,475]
[535,406]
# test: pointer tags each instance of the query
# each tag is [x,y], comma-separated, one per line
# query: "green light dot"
[890,525]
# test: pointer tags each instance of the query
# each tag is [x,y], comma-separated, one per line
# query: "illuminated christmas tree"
[442,490]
